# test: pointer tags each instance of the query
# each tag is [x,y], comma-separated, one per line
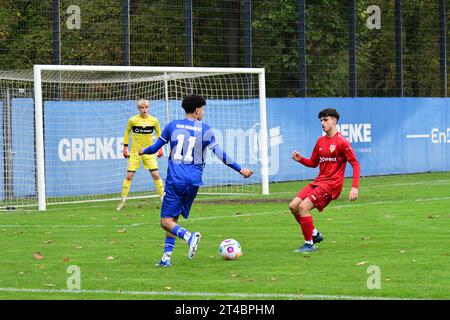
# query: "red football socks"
[307,226]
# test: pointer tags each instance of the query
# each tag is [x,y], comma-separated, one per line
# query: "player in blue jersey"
[189,140]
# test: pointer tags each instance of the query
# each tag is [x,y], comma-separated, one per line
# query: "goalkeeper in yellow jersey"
[142,127]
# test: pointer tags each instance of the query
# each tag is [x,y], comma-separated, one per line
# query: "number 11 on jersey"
[188,153]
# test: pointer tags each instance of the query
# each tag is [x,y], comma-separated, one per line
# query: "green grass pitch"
[400,225]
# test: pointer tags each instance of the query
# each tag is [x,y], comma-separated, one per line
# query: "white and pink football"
[230,249]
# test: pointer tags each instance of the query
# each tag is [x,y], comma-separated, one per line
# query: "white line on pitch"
[205,294]
[402,184]
[433,199]
[431,182]
[54,226]
[3,208]
[51,226]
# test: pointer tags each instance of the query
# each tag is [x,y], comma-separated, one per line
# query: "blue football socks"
[181,232]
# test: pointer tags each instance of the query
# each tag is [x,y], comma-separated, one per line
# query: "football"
[230,249]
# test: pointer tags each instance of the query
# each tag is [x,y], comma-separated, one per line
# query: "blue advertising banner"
[389,135]
[84,139]
[83,147]
[23,147]
[84,143]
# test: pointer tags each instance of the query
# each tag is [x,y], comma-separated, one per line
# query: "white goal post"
[233,85]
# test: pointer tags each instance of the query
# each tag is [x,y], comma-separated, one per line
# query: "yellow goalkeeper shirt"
[142,132]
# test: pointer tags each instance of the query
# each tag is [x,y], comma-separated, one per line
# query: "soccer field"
[400,226]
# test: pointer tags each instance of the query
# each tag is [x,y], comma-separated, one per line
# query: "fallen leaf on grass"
[48,241]
[361,263]
[250,279]
[66,259]
[122,230]
[233,273]
[38,256]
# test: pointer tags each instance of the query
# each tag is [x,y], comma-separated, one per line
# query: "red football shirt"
[332,154]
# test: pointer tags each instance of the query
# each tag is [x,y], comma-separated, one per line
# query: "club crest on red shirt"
[332,147]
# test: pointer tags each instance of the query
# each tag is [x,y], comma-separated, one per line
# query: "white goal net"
[63,127]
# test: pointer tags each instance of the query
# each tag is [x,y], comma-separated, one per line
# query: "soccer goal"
[63,126]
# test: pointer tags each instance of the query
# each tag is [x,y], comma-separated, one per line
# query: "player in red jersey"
[331,153]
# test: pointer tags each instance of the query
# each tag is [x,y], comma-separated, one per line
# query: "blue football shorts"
[178,200]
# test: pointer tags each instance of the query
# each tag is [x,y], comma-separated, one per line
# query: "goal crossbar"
[50,67]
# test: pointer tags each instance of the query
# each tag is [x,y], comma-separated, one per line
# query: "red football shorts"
[318,196]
